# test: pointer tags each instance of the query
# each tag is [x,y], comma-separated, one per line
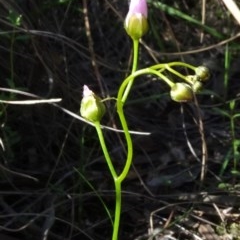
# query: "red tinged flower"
[136,23]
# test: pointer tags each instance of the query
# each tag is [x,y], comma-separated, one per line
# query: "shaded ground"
[53,176]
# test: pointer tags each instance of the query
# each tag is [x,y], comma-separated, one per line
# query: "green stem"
[135,55]
[175,72]
[233,143]
[173,64]
[117,182]
[121,98]
[105,151]
[232,127]
[163,77]
[118,205]
[120,105]
[128,163]
[155,70]
[134,68]
[168,66]
[137,73]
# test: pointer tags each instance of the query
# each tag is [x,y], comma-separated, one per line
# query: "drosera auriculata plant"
[92,107]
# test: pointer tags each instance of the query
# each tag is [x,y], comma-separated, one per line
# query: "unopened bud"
[181,92]
[136,26]
[191,79]
[92,108]
[202,73]
[197,86]
[136,23]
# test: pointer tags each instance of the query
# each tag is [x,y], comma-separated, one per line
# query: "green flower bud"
[191,79]
[203,73]
[197,86]
[92,108]
[181,92]
[136,25]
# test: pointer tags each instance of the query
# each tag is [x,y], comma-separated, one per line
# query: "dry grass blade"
[31,102]
[233,8]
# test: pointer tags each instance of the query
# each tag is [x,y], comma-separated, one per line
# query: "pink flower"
[138,6]
[136,24]
[86,91]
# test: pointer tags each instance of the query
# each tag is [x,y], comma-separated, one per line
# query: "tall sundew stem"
[134,68]
[105,151]
[118,206]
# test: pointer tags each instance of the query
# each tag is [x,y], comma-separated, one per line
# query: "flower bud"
[92,108]
[191,79]
[203,73]
[197,86]
[181,92]
[136,24]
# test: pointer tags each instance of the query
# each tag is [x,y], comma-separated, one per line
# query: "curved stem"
[116,180]
[172,64]
[105,151]
[175,72]
[123,93]
[168,66]
[137,73]
[134,68]
[163,77]
[128,163]
[120,104]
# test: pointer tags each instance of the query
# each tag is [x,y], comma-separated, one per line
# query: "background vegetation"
[54,182]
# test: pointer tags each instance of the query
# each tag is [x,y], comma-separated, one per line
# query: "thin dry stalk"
[233,9]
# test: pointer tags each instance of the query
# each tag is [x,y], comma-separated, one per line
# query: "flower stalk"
[93,109]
